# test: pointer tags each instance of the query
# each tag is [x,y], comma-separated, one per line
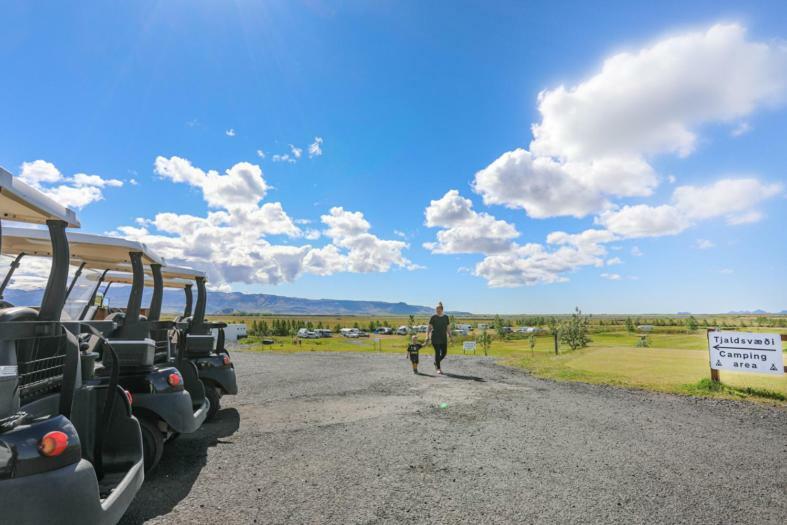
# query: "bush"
[574,332]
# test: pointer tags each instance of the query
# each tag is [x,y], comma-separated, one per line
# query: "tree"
[532,339]
[411,322]
[691,323]
[630,325]
[499,326]
[486,342]
[574,332]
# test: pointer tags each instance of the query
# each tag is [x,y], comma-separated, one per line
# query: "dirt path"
[357,438]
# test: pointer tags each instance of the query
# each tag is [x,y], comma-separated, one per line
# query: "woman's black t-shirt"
[439,328]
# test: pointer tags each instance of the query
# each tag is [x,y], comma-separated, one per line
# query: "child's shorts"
[413,357]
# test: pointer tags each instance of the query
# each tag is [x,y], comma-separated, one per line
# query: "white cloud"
[230,243]
[741,129]
[652,101]
[704,244]
[400,233]
[595,138]
[283,158]
[312,235]
[260,153]
[39,172]
[611,276]
[749,217]
[464,229]
[365,252]
[726,271]
[672,179]
[230,132]
[541,186]
[642,220]
[133,182]
[241,185]
[534,264]
[731,198]
[83,179]
[73,192]
[296,152]
[315,148]
[614,261]
[636,252]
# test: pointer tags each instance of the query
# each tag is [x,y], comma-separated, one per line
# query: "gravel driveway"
[357,438]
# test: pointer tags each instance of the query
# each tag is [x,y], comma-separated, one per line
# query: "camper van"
[350,332]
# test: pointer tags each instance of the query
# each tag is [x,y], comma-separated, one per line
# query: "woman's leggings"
[440,349]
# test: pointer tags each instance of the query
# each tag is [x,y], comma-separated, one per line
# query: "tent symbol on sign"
[718,362]
[773,367]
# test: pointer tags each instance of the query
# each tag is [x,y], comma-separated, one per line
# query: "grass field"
[676,361]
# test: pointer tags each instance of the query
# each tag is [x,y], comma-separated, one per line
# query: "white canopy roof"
[127,278]
[22,203]
[97,251]
[181,272]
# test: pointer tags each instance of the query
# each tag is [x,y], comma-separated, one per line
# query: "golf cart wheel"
[152,443]
[212,393]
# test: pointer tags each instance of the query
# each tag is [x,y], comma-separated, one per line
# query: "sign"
[468,346]
[746,352]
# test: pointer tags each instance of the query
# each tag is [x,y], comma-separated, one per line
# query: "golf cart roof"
[108,253]
[97,251]
[127,278]
[22,203]
[181,272]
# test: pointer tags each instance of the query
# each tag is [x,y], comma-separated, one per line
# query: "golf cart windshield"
[80,294]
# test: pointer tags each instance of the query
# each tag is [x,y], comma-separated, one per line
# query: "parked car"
[349,332]
[303,333]
[384,330]
[402,330]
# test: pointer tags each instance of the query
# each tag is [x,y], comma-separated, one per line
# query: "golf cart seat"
[118,317]
[17,313]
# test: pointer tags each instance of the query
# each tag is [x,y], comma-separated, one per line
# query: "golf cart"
[213,361]
[190,339]
[70,449]
[169,398]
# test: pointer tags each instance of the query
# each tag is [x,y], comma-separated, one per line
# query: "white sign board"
[468,346]
[746,352]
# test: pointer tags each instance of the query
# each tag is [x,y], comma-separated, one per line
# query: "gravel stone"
[358,438]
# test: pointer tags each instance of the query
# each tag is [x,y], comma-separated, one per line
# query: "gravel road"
[358,438]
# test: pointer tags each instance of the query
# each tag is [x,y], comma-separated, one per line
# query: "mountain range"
[237,302]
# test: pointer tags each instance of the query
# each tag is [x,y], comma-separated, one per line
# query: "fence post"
[714,374]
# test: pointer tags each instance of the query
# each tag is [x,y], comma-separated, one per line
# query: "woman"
[440,333]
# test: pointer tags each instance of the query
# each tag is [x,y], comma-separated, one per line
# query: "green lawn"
[674,362]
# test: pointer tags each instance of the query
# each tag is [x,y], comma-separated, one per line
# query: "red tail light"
[128,397]
[226,359]
[174,379]
[53,443]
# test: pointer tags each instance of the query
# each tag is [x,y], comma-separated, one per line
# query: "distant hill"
[225,303]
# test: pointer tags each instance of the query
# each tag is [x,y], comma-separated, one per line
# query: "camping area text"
[746,352]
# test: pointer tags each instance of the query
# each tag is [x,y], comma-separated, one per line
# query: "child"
[412,351]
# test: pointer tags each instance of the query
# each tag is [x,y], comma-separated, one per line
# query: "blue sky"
[411,100]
